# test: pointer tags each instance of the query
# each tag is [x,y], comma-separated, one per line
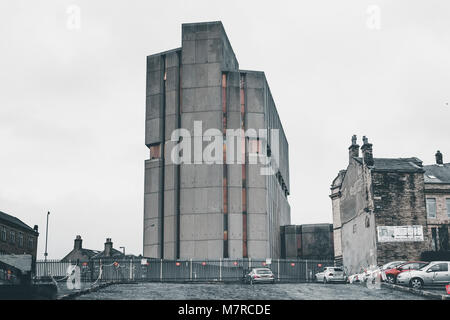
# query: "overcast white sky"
[72,101]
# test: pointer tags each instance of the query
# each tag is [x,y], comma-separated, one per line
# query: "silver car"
[260,275]
[331,274]
[434,273]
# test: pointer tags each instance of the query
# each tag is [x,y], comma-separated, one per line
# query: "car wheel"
[390,279]
[416,283]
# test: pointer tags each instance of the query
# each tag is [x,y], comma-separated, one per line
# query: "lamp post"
[46,253]
[123,250]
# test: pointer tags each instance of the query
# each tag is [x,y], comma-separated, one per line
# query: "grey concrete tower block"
[152,206]
[201,200]
[235,176]
[235,200]
[153,131]
[201,227]
[256,200]
[209,119]
[255,79]
[154,106]
[257,227]
[255,100]
[202,99]
[256,121]
[205,54]
[201,175]
[258,249]
[153,171]
[255,179]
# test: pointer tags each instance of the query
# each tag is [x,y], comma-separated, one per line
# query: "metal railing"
[222,270]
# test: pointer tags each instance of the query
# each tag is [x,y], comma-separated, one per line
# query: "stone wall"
[399,200]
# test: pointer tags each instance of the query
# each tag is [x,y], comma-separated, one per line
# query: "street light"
[46,240]
[123,250]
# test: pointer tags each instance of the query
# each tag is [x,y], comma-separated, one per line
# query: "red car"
[391,274]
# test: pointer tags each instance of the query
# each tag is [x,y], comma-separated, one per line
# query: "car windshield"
[336,269]
[263,271]
[425,266]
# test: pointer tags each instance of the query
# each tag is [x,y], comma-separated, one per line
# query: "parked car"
[391,274]
[432,274]
[391,265]
[260,275]
[331,274]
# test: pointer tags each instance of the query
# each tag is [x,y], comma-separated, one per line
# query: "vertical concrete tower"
[221,209]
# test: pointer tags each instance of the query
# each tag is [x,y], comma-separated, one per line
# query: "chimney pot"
[108,247]
[439,158]
[367,152]
[78,243]
[353,150]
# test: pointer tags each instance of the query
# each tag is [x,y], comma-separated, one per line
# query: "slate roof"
[396,164]
[14,221]
[437,173]
[114,253]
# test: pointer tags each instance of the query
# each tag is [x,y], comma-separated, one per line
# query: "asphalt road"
[290,291]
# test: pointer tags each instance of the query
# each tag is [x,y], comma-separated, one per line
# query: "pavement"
[220,291]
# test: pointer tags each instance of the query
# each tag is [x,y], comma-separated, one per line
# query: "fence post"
[278,268]
[131,269]
[161,271]
[220,269]
[306,268]
[190,269]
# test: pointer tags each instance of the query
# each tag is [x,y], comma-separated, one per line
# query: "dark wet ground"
[290,291]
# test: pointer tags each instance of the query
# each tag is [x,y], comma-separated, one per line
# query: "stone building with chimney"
[437,193]
[379,209]
[82,254]
[79,253]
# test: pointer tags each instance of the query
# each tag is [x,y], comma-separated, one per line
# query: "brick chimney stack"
[439,158]
[78,243]
[353,150]
[108,247]
[367,152]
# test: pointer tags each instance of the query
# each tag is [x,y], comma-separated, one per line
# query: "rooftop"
[437,173]
[396,164]
[15,221]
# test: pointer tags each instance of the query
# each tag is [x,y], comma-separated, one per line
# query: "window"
[448,207]
[431,207]
[20,240]
[3,234]
[30,243]
[441,267]
[155,152]
[12,237]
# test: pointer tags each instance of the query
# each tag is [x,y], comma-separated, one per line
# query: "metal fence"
[225,270]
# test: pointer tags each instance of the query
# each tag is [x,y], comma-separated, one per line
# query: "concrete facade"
[210,210]
[308,241]
[373,195]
